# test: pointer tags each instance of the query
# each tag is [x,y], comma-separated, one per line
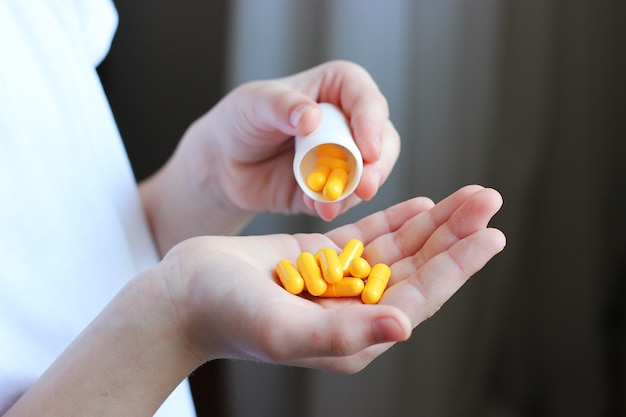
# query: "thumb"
[273,107]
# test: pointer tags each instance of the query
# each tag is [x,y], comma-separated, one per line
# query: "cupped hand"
[246,140]
[232,306]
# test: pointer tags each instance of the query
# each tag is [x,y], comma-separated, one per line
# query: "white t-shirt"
[72,230]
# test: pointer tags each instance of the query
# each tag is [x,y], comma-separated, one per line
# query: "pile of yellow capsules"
[332,274]
[331,172]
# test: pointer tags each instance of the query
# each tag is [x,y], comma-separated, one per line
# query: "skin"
[237,159]
[215,296]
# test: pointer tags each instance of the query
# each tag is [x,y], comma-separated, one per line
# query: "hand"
[237,159]
[246,140]
[232,305]
[217,297]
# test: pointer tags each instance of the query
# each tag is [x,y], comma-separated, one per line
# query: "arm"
[125,363]
[236,160]
[217,297]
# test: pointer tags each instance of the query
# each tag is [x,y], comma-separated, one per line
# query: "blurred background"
[527,97]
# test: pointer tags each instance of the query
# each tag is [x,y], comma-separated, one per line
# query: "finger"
[349,364]
[376,173]
[270,107]
[444,209]
[368,118]
[331,332]
[424,292]
[474,214]
[366,108]
[329,211]
[415,231]
[381,223]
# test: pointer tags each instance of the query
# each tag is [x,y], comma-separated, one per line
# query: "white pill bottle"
[333,129]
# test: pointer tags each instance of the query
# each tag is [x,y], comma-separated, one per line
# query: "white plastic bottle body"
[333,129]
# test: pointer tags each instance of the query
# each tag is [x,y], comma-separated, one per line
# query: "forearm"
[126,362]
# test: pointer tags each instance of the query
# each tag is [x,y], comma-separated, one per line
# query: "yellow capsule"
[330,149]
[317,179]
[352,249]
[376,284]
[359,268]
[289,277]
[330,266]
[311,273]
[335,184]
[333,163]
[347,287]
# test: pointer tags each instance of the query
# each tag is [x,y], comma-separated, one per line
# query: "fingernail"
[297,113]
[386,329]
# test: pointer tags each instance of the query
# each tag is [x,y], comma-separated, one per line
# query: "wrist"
[183,282]
[185,199]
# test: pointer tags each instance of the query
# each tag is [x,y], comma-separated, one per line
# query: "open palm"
[241,311]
